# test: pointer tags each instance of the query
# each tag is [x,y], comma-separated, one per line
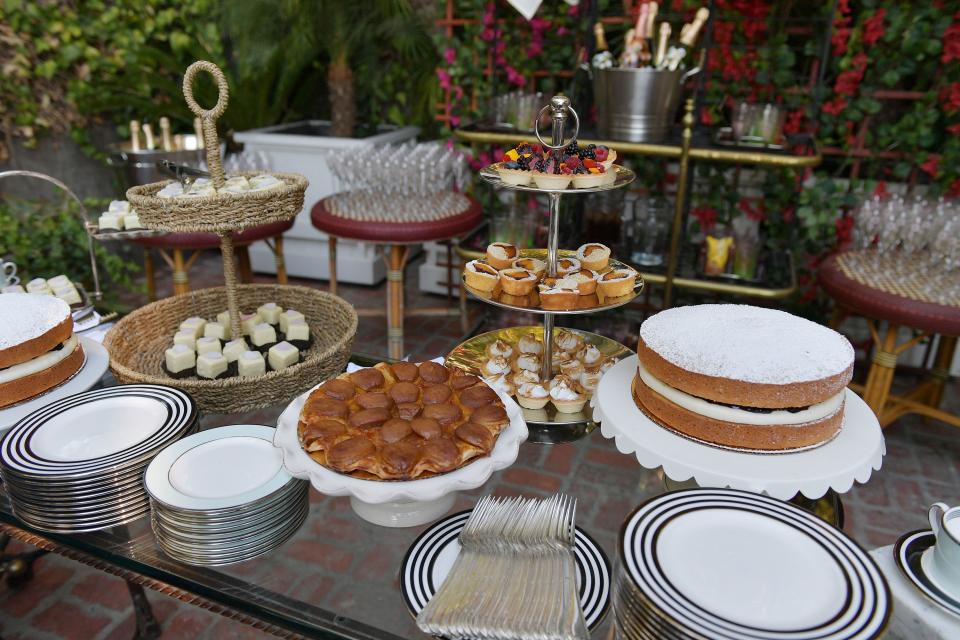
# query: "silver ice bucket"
[140,167]
[637,105]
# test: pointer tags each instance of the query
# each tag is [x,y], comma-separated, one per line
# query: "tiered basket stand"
[550,427]
[136,343]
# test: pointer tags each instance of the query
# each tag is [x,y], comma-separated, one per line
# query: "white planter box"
[286,149]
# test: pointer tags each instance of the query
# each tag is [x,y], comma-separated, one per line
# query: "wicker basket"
[138,341]
[221,213]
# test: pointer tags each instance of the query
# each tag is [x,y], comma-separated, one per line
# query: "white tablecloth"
[914,616]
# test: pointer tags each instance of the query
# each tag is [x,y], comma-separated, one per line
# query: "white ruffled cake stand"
[403,503]
[853,454]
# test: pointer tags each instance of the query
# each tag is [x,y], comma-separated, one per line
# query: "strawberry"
[601,153]
[589,164]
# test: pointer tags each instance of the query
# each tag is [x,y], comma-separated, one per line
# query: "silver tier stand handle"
[97,294]
[560,110]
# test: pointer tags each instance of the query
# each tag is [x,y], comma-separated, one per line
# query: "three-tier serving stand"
[547,425]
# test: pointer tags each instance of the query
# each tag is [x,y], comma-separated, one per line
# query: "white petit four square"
[282,355]
[68,294]
[264,181]
[263,334]
[179,357]
[248,321]
[211,364]
[132,221]
[206,345]
[270,312]
[233,349]
[57,282]
[251,364]
[172,190]
[187,338]
[298,330]
[119,206]
[216,330]
[13,288]
[38,285]
[195,325]
[289,316]
[111,221]
[224,318]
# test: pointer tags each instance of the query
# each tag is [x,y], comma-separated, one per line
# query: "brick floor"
[343,564]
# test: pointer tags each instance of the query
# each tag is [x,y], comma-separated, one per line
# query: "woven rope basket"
[222,213]
[138,341]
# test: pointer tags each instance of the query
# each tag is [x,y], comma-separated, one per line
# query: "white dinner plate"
[912,554]
[430,558]
[719,563]
[217,469]
[94,366]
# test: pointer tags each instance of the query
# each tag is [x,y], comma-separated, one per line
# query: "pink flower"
[450,55]
[488,15]
[458,92]
[455,121]
[515,77]
[444,78]
[535,49]
[486,34]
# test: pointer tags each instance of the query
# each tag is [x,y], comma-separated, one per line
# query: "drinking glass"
[652,221]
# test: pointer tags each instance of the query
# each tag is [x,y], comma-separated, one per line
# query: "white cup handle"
[935,516]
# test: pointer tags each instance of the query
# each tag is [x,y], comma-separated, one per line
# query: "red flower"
[707,216]
[873,28]
[951,41]
[881,190]
[793,121]
[844,227]
[787,215]
[950,97]
[753,212]
[931,165]
[839,40]
[706,117]
[953,190]
[954,129]
[835,106]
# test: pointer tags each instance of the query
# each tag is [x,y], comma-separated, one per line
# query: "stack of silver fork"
[515,577]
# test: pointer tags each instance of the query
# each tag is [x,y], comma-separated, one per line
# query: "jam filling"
[56,348]
[756,409]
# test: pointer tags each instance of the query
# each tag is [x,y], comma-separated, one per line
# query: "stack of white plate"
[77,464]
[223,496]
[718,563]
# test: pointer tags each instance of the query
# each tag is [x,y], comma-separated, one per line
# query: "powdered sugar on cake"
[734,341]
[25,316]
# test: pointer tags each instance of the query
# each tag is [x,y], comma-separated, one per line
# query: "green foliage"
[46,240]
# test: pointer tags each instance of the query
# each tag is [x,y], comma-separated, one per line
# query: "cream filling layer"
[40,363]
[700,406]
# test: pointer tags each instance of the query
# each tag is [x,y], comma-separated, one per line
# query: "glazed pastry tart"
[586,281]
[594,256]
[480,276]
[539,267]
[618,282]
[500,255]
[518,282]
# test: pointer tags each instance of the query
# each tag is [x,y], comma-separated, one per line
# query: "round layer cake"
[742,376]
[38,350]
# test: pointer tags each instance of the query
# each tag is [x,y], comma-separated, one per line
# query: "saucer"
[911,553]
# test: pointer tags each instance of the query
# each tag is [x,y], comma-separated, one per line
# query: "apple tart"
[401,421]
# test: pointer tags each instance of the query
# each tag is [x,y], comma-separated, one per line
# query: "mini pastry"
[567,265]
[248,321]
[524,375]
[499,349]
[594,256]
[529,344]
[559,357]
[263,336]
[236,184]
[550,180]
[590,356]
[224,318]
[539,267]
[495,367]
[532,396]
[586,281]
[119,206]
[38,285]
[264,182]
[572,368]
[500,255]
[179,361]
[217,330]
[591,177]
[13,288]
[511,173]
[589,381]
[616,283]
[251,364]
[529,362]
[298,334]
[187,338]
[516,164]
[607,365]
[569,341]
[518,282]
[211,365]
[270,312]
[233,349]
[68,294]
[194,325]
[480,276]
[564,397]
[282,355]
[527,301]
[58,282]
[289,316]
[131,221]
[500,384]
[562,294]
[207,345]
[110,221]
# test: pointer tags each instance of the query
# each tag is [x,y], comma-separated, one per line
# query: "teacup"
[8,273]
[944,565]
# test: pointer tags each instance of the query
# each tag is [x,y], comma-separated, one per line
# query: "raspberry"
[573,161]
[601,153]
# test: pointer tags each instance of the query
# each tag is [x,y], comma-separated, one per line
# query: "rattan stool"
[333,218]
[178,244]
[864,287]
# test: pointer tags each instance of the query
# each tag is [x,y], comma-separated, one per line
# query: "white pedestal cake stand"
[853,455]
[403,503]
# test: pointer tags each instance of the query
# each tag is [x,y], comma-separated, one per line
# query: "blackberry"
[572,148]
[580,170]
[588,153]
[523,163]
[591,147]
[541,166]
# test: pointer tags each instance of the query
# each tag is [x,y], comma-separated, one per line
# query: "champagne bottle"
[602,58]
[135,135]
[688,36]
[148,136]
[166,142]
[663,39]
[198,130]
